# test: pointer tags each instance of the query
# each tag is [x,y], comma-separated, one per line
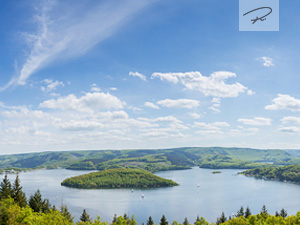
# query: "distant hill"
[152,159]
[118,178]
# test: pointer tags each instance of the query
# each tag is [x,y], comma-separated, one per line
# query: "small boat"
[131,190]
[142,196]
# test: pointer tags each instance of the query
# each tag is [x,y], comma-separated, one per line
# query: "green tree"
[163,220]
[150,221]
[202,221]
[132,221]
[38,204]
[221,219]
[17,194]
[247,212]
[240,212]
[5,188]
[283,213]
[65,212]
[185,222]
[85,217]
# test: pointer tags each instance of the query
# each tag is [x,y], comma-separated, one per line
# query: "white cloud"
[151,105]
[61,36]
[95,88]
[80,125]
[210,128]
[244,131]
[134,108]
[139,75]
[113,88]
[179,103]
[290,119]
[214,85]
[250,92]
[51,85]
[88,103]
[163,119]
[215,109]
[169,119]
[291,129]
[256,121]
[216,104]
[284,102]
[195,115]
[266,61]
[24,113]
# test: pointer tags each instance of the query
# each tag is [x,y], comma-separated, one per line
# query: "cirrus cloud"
[62,36]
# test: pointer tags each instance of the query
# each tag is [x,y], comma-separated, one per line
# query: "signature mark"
[259,18]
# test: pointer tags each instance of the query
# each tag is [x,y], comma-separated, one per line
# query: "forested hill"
[284,173]
[152,159]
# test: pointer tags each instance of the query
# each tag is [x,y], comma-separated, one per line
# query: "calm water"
[200,193]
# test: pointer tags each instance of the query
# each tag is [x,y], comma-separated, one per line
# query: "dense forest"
[152,160]
[15,209]
[118,178]
[283,173]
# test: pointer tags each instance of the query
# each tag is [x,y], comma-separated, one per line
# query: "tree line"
[17,210]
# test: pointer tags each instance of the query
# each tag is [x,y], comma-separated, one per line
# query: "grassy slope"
[118,178]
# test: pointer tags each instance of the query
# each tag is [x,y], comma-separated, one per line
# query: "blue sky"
[145,74]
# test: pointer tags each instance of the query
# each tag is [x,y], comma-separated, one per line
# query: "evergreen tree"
[38,204]
[185,222]
[125,217]
[283,213]
[114,219]
[85,217]
[17,194]
[163,220]
[264,210]
[65,212]
[197,220]
[240,212]
[221,219]
[247,212]
[277,214]
[150,221]
[5,188]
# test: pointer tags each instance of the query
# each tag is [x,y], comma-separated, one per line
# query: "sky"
[136,74]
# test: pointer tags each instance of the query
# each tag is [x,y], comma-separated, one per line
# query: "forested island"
[284,173]
[118,178]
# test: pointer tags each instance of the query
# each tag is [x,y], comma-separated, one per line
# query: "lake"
[200,193]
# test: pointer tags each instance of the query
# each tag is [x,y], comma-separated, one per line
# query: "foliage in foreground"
[118,178]
[12,213]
